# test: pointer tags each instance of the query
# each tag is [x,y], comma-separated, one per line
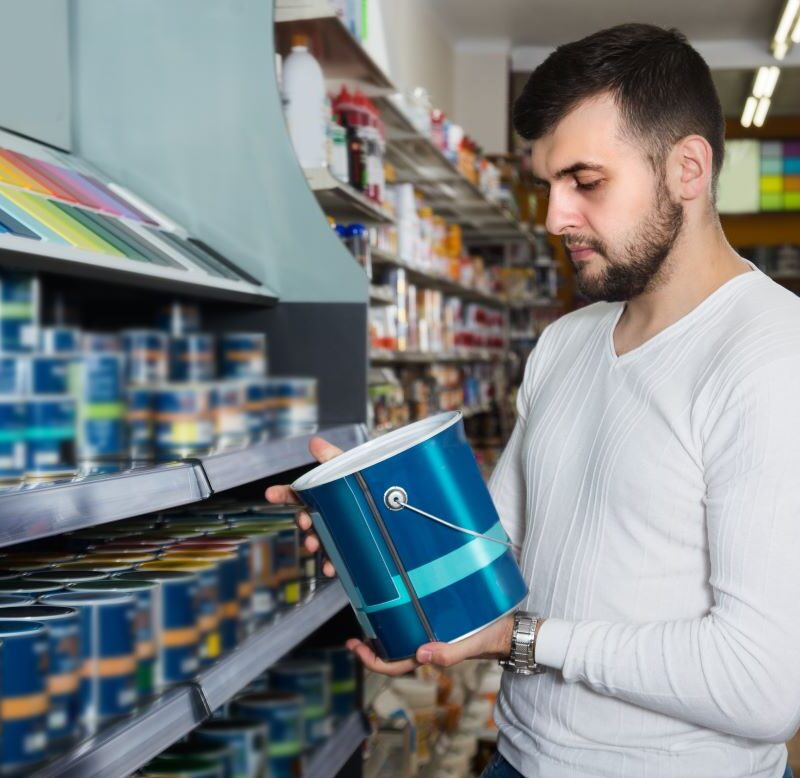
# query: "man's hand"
[322,451]
[492,642]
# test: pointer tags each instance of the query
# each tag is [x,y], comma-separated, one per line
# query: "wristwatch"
[522,659]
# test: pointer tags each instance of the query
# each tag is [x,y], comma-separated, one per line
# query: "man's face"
[612,211]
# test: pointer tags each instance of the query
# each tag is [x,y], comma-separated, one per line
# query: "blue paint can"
[291,406]
[14,372]
[185,767]
[48,374]
[139,419]
[19,312]
[29,587]
[312,681]
[191,357]
[184,420]
[100,343]
[179,319]
[145,594]
[146,353]
[247,739]
[13,423]
[177,635]
[344,688]
[418,545]
[244,355]
[63,636]
[217,753]
[231,426]
[15,600]
[96,383]
[256,408]
[50,436]
[283,713]
[59,340]
[24,655]
[108,652]
[68,577]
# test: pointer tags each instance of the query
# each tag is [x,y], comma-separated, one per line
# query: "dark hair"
[661,85]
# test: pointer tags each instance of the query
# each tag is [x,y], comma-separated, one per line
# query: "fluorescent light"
[779,50]
[761,111]
[759,87]
[796,32]
[772,80]
[785,24]
[749,111]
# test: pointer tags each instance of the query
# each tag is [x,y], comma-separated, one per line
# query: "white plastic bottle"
[304,88]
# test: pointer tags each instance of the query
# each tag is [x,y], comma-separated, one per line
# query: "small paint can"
[145,593]
[218,753]
[230,414]
[146,356]
[176,634]
[209,609]
[247,738]
[179,319]
[115,556]
[283,713]
[63,637]
[243,355]
[50,437]
[344,687]
[244,556]
[95,380]
[23,694]
[312,681]
[256,408]
[59,339]
[108,652]
[14,372]
[15,600]
[100,343]
[191,357]
[29,587]
[184,767]
[291,406]
[13,421]
[68,577]
[223,610]
[48,374]
[184,419]
[263,572]
[140,421]
[93,565]
[19,312]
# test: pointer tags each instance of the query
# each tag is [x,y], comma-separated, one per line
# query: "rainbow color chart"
[779,183]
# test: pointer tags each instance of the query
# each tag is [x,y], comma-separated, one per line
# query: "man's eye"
[588,185]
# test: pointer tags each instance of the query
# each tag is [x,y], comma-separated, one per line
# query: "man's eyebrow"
[577,167]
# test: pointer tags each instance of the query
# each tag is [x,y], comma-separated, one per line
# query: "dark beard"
[636,268]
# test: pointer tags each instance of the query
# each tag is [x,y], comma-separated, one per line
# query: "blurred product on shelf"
[90,400]
[356,238]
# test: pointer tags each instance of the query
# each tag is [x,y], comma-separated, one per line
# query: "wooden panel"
[762,229]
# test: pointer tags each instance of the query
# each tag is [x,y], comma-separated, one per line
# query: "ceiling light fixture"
[771,80]
[780,41]
[749,111]
[761,112]
[796,32]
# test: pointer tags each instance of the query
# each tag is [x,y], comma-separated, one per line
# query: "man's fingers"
[328,568]
[445,654]
[281,494]
[321,450]
[311,543]
[303,520]
[373,662]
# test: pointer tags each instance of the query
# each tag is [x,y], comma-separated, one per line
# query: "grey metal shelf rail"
[28,512]
[334,753]
[123,747]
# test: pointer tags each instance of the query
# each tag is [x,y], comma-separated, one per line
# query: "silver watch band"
[522,659]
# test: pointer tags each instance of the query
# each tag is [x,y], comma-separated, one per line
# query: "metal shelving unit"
[126,745]
[433,281]
[380,296]
[332,755]
[341,201]
[36,511]
[427,358]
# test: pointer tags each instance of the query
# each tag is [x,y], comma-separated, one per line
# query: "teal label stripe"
[50,433]
[343,687]
[287,748]
[13,435]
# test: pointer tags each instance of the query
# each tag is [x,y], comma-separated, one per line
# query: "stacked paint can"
[291,406]
[312,681]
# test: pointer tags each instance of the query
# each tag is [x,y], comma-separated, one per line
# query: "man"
[650,480]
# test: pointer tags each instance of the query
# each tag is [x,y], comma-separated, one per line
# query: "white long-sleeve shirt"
[656,497]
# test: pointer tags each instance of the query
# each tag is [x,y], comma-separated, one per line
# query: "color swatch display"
[54,204]
[780,176]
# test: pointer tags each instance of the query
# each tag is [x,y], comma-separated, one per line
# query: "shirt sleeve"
[507,483]
[736,669]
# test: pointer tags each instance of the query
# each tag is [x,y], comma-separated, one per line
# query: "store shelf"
[36,511]
[126,745]
[433,281]
[24,254]
[379,356]
[341,56]
[253,463]
[380,295]
[475,410]
[332,756]
[341,201]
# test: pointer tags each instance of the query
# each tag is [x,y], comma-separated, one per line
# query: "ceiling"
[551,22]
